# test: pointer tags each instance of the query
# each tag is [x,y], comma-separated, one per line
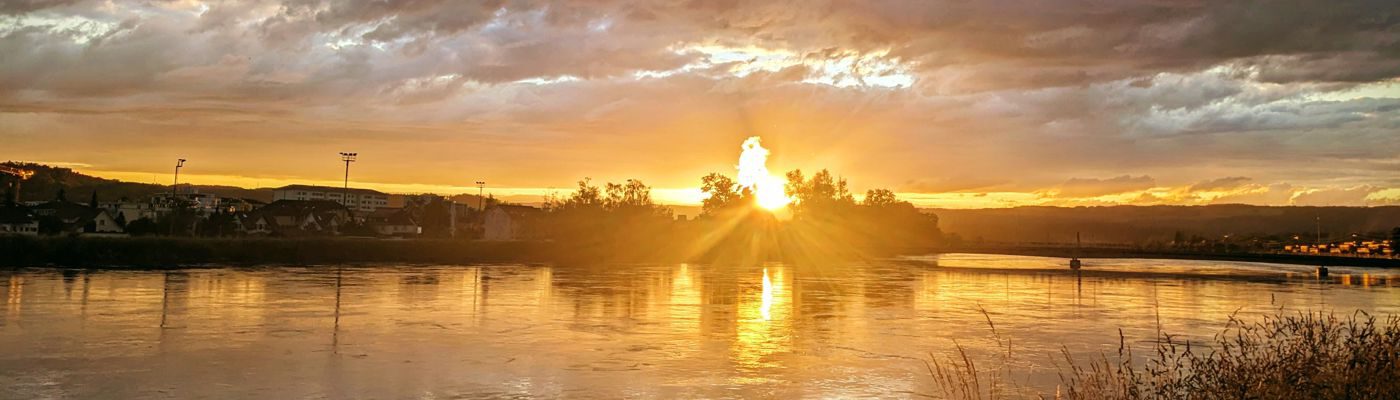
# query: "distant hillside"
[1142,224]
[47,181]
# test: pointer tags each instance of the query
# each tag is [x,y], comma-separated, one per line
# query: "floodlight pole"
[175,187]
[481,195]
[345,191]
[174,201]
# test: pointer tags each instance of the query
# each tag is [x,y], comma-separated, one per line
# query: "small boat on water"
[1074,262]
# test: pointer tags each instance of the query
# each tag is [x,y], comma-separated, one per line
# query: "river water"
[620,331]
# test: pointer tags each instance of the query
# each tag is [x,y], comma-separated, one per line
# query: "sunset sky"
[949,103]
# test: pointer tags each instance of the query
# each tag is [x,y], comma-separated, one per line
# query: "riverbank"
[167,252]
[1113,252]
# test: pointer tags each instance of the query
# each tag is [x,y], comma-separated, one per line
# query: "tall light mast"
[345,194]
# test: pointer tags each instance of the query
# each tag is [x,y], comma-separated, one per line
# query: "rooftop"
[312,188]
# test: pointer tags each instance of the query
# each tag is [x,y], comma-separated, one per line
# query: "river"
[619,331]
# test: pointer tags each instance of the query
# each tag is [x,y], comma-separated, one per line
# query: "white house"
[509,222]
[394,222]
[359,200]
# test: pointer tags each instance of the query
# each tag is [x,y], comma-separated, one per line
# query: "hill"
[47,181]
[1144,224]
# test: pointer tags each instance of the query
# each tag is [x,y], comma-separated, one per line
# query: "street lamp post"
[345,193]
[175,188]
[481,195]
[174,193]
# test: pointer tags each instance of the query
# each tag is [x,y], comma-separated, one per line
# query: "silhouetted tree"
[619,221]
[723,193]
[586,197]
[62,195]
[93,202]
[820,196]
[436,218]
[632,198]
[50,225]
[219,224]
[141,227]
[880,198]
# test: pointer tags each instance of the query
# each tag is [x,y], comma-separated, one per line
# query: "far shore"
[169,252]
[1128,252]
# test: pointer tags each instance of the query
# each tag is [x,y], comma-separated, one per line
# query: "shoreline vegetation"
[821,222]
[177,252]
[1303,355]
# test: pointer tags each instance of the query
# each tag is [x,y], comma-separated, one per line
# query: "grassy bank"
[171,252]
[1282,356]
[164,252]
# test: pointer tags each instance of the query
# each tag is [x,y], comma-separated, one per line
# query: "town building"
[357,200]
[296,218]
[133,210]
[510,222]
[394,222]
[62,217]
[18,221]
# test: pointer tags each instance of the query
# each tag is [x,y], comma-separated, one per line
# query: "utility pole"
[345,194]
[481,195]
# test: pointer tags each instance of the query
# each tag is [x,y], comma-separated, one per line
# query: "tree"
[880,198]
[626,196]
[822,195]
[141,227]
[93,203]
[50,225]
[436,218]
[586,197]
[219,224]
[723,193]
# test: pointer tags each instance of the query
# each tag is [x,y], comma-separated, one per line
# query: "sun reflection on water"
[667,331]
[766,309]
[764,328]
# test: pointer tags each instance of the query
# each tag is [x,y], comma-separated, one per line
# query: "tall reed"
[1298,355]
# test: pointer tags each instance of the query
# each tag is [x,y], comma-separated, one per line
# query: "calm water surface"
[633,331]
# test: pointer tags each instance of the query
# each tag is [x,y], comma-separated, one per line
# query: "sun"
[754,176]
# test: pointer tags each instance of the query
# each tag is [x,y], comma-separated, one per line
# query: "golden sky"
[949,103]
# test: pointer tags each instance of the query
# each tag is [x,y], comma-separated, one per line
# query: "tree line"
[624,221]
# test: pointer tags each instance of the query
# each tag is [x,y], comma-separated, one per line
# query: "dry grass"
[1284,355]
[958,377]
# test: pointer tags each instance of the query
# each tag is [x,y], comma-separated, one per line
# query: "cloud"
[1220,184]
[1092,187]
[1351,196]
[930,96]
